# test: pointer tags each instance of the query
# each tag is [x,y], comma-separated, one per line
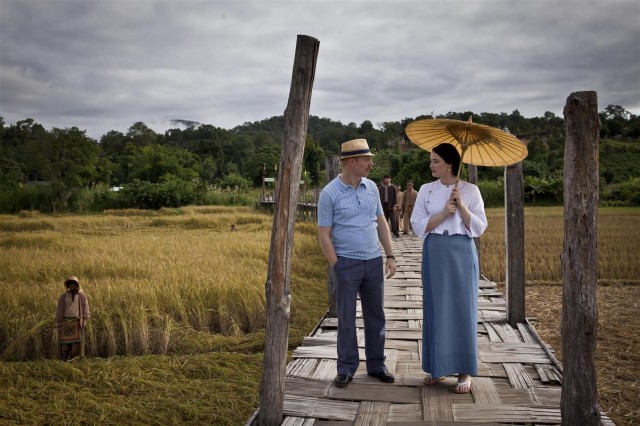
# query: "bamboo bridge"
[519,379]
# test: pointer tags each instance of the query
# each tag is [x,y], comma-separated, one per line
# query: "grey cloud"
[103,65]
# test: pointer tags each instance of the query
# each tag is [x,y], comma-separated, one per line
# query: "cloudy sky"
[103,65]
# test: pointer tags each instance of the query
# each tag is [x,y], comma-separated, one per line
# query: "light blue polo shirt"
[352,215]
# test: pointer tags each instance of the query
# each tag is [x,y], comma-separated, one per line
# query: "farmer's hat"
[70,280]
[355,148]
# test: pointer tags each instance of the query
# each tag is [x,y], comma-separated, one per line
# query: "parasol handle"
[464,149]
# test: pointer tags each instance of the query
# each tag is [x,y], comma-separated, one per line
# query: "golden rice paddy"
[177,326]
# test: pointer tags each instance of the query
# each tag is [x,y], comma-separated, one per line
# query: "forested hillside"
[64,169]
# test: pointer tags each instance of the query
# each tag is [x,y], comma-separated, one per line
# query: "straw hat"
[72,279]
[355,148]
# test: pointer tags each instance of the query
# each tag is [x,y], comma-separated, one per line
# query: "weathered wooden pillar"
[514,242]
[579,404]
[472,171]
[264,175]
[278,290]
[332,167]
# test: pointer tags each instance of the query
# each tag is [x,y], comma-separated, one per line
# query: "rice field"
[177,324]
[617,347]
[618,294]
[177,327]
[154,281]
[618,236]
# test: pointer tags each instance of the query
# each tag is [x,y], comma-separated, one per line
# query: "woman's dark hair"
[450,155]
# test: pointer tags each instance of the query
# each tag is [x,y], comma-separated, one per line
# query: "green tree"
[615,121]
[113,145]
[238,150]
[263,138]
[11,175]
[17,140]
[534,187]
[208,169]
[313,160]
[68,160]
[155,163]
[366,127]
[616,112]
[267,156]
[235,180]
[519,126]
[537,159]
[141,135]
[170,193]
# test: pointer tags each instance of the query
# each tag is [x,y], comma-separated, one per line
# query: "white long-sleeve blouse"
[433,197]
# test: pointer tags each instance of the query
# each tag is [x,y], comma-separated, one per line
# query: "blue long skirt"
[450,281]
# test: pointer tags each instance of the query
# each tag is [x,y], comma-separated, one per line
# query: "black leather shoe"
[384,376]
[342,380]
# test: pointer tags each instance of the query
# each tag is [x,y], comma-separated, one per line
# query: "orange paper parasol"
[478,144]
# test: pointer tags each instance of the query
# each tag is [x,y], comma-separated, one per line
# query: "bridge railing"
[307,206]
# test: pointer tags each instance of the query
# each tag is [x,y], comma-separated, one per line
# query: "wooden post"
[332,167]
[472,170]
[579,402]
[514,242]
[264,175]
[278,290]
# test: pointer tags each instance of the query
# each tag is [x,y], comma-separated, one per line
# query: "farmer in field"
[447,218]
[350,224]
[72,313]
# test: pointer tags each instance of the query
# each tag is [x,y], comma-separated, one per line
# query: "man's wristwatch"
[391,257]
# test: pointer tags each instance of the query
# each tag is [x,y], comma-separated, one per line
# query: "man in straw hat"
[350,224]
[72,313]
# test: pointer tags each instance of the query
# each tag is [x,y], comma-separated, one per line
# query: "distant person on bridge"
[389,199]
[447,219]
[406,207]
[351,222]
[397,214]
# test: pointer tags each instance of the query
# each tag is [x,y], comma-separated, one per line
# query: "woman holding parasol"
[448,214]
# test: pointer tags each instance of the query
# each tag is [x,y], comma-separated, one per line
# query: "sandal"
[463,387]
[430,381]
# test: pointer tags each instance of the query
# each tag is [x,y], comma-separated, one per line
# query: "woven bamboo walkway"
[519,379]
